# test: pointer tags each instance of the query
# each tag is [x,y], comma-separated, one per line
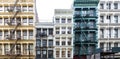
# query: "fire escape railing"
[14,11]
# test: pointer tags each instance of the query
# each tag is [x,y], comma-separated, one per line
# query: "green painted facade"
[85,27]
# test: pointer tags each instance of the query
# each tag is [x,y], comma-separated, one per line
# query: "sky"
[45,8]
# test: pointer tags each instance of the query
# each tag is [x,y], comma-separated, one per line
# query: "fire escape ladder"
[12,10]
[13,45]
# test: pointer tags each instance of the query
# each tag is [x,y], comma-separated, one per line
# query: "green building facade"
[85,27]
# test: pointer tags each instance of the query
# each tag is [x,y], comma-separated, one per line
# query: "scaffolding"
[85,27]
[14,10]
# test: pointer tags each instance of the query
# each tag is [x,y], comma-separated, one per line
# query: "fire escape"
[42,48]
[85,29]
[15,48]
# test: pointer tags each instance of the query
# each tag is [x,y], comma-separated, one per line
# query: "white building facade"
[109,24]
[63,34]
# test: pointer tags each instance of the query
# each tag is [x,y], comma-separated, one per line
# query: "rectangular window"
[84,13]
[6,49]
[57,43]
[57,53]
[25,49]
[116,19]
[5,8]
[69,30]
[0,34]
[38,43]
[102,46]
[63,30]
[44,43]
[50,42]
[0,49]
[30,34]
[69,40]
[91,24]
[101,33]
[18,50]
[39,53]
[63,20]
[31,49]
[30,20]
[24,8]
[5,34]
[50,31]
[44,53]
[57,28]
[110,32]
[115,44]
[1,9]
[69,20]
[63,53]
[25,34]
[57,32]
[5,20]
[109,19]
[24,20]
[30,8]
[63,42]
[108,5]
[57,20]
[11,46]
[101,6]
[91,13]
[50,53]
[115,5]
[109,46]
[116,33]
[69,53]
[102,19]
[0,20]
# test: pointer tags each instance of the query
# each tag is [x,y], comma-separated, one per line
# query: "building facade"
[85,28]
[17,25]
[109,29]
[44,40]
[63,34]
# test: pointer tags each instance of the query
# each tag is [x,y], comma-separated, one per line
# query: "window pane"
[30,20]
[116,19]
[30,8]
[50,53]
[63,42]
[50,31]
[50,42]
[63,20]
[0,20]
[24,8]
[24,20]
[44,43]
[57,20]
[1,9]
[57,53]
[101,6]
[115,5]
[69,20]
[57,43]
